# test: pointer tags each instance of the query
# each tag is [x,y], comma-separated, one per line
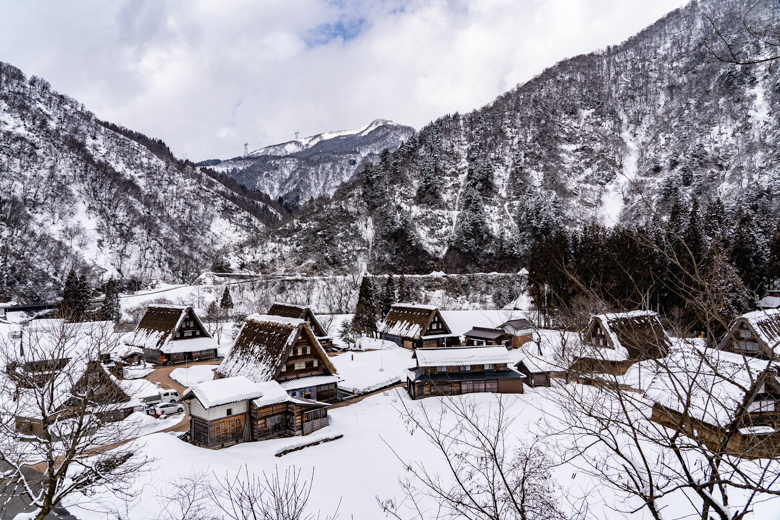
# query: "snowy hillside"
[595,137]
[313,166]
[75,191]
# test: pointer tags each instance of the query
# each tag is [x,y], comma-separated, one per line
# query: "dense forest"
[666,265]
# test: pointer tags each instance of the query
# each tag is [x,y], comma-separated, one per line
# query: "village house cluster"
[278,379]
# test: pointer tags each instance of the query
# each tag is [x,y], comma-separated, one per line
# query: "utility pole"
[246,149]
[296,136]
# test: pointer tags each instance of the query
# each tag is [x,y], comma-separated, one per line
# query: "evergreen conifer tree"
[84,295]
[69,293]
[404,292]
[366,310]
[227,301]
[388,298]
[773,265]
[110,310]
[746,252]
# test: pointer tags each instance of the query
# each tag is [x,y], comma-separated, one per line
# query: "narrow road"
[162,375]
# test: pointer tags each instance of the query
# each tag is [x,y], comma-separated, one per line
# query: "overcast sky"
[205,76]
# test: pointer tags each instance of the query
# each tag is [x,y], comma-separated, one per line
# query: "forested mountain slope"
[313,166]
[78,192]
[599,137]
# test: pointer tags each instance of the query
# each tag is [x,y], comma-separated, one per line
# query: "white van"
[161,395]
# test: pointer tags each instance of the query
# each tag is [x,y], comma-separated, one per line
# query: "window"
[491,386]
[465,368]
[178,334]
[273,421]
[490,367]
[441,369]
[761,406]
[197,332]
[300,365]
[187,333]
[308,350]
[284,368]
[315,364]
[229,411]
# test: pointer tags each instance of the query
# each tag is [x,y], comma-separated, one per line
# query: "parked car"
[159,396]
[168,409]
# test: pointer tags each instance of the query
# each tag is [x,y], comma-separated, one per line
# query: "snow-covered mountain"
[313,166]
[76,191]
[604,136]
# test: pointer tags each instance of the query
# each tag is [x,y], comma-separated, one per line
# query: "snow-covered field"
[362,465]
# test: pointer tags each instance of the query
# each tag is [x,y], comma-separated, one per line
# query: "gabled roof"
[406,320]
[518,324]
[158,327]
[765,326]
[485,333]
[460,356]
[707,384]
[288,310]
[629,332]
[225,391]
[263,346]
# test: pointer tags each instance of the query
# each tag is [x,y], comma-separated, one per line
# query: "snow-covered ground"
[361,465]
[384,364]
[193,375]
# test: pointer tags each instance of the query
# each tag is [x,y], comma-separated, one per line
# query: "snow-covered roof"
[460,356]
[634,334]
[769,302]
[766,326]
[273,393]
[298,311]
[228,390]
[406,320]
[263,345]
[715,381]
[485,333]
[158,326]
[520,324]
[303,382]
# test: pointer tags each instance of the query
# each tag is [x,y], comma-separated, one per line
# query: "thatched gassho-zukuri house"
[616,341]
[462,370]
[173,334]
[417,326]
[275,348]
[755,334]
[305,313]
[231,410]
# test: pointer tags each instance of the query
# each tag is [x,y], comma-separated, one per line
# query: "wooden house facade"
[462,370]
[232,410]
[304,313]
[170,334]
[755,334]
[417,326]
[614,342]
[275,348]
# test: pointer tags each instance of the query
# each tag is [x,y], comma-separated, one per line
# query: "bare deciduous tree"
[488,477]
[59,410]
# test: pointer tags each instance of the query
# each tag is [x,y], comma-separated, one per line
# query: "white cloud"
[205,76]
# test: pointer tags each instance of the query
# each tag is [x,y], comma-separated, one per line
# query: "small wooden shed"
[231,410]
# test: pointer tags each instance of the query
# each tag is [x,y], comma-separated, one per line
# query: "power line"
[213,156]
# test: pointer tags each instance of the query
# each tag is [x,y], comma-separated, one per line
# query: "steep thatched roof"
[765,326]
[263,345]
[411,321]
[159,326]
[637,334]
[288,310]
